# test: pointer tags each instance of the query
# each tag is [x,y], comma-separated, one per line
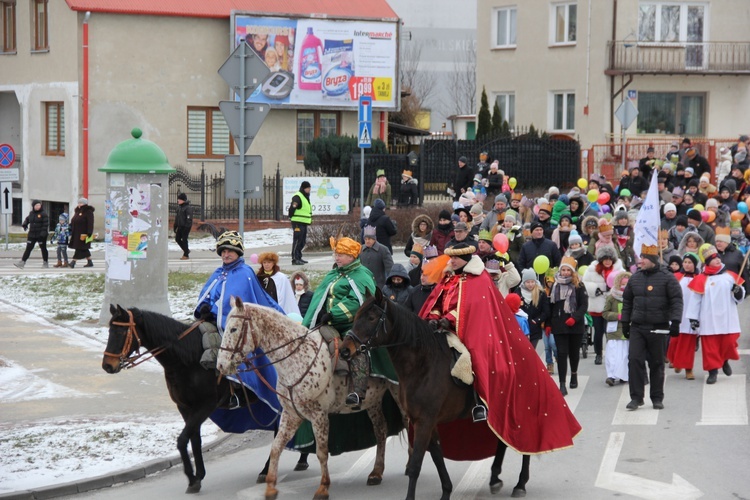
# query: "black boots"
[712,376]
[573,380]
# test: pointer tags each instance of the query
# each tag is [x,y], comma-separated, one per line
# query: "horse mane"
[162,330]
[414,331]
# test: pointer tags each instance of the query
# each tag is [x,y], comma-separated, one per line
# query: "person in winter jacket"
[302,293]
[578,251]
[397,285]
[725,165]
[60,237]
[588,228]
[384,226]
[418,294]
[421,233]
[503,273]
[462,181]
[595,281]
[443,233]
[536,246]
[37,224]
[376,257]
[415,262]
[727,193]
[494,179]
[535,303]
[604,238]
[275,283]
[691,242]
[514,232]
[561,234]
[380,190]
[408,193]
[681,351]
[81,229]
[183,223]
[569,303]
[617,345]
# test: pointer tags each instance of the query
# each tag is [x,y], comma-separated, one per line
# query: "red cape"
[525,407]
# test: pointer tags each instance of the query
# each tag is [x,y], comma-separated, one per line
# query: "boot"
[551,368]
[689,375]
[72,264]
[597,360]
[59,264]
[727,369]
[20,264]
[573,380]
[712,376]
[563,389]
[89,263]
[45,264]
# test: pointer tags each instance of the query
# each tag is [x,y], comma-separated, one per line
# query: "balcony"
[707,58]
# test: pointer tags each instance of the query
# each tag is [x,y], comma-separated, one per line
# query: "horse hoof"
[321,496]
[273,495]
[495,488]
[374,480]
[261,479]
[194,488]
[301,466]
[518,493]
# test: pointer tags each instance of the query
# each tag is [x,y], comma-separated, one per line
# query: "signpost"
[252,180]
[243,70]
[626,114]
[7,159]
[6,199]
[365,141]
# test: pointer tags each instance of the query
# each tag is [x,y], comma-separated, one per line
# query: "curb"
[106,480]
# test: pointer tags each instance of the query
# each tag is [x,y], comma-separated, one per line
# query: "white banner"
[323,63]
[646,231]
[328,195]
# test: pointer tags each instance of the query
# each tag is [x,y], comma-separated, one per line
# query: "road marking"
[609,479]
[645,415]
[574,395]
[476,475]
[744,352]
[724,403]
[363,462]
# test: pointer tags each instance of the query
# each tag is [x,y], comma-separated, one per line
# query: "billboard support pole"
[243,104]
[361,180]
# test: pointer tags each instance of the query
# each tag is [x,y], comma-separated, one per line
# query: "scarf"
[617,294]
[526,294]
[564,289]
[578,252]
[380,185]
[298,294]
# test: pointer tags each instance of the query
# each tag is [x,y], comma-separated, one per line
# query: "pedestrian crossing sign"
[365,134]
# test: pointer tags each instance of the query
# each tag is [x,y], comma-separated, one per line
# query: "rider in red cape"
[524,406]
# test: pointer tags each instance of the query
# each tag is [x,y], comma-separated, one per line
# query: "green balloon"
[626,192]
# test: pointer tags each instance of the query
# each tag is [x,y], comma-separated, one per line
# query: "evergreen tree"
[497,120]
[484,120]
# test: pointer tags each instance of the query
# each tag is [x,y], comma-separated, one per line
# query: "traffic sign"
[253,177]
[9,174]
[255,69]
[365,109]
[7,156]
[6,197]
[255,114]
[365,134]
[626,113]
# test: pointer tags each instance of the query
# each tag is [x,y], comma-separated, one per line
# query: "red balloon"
[500,243]
[603,198]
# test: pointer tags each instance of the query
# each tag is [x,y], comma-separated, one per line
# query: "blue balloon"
[742,207]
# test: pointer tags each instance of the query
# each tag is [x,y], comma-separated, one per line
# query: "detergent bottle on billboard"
[310,69]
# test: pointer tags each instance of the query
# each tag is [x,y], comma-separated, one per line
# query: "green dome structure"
[136,156]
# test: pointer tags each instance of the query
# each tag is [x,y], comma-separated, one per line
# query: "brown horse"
[427,392]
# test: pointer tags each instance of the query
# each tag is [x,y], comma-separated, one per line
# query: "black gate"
[393,166]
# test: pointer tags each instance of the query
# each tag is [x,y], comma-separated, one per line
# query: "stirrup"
[479,413]
[353,400]
[234,401]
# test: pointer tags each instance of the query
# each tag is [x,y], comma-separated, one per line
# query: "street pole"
[243,104]
[361,180]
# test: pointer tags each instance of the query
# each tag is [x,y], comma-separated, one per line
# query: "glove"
[737,292]
[84,236]
[205,313]
[598,292]
[325,319]
[695,324]
[25,228]
[674,329]
[570,321]
[626,330]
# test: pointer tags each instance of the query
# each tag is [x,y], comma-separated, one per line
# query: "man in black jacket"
[651,307]
[37,223]
[463,180]
[183,223]
[536,246]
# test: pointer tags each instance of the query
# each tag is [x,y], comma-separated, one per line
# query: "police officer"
[651,307]
[300,213]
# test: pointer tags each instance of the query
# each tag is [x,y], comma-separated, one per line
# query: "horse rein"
[128,362]
[365,346]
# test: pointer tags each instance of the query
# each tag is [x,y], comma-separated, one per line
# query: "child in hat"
[61,237]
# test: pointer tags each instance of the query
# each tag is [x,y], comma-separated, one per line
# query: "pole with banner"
[365,141]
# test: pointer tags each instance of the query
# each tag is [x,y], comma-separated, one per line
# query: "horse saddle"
[333,339]
[461,369]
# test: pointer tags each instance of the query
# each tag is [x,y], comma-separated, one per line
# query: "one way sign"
[6,197]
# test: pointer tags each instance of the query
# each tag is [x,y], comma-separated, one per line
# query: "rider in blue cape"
[236,279]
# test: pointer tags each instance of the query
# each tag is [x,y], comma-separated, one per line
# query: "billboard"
[328,195]
[322,63]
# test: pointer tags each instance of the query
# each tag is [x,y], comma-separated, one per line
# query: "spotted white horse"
[307,387]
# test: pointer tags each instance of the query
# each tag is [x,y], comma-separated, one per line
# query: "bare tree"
[417,84]
[463,82]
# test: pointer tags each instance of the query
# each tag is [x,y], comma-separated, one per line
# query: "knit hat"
[370,232]
[535,225]
[681,220]
[182,196]
[501,197]
[444,214]
[417,250]
[528,274]
[723,234]
[712,203]
[83,201]
[366,212]
[670,207]
[455,218]
[694,215]
[380,204]
[380,172]
[304,185]
[462,159]
[574,237]
[63,216]
[622,214]
[690,170]
[476,209]
[606,252]
[569,262]
[511,215]
[345,246]
[694,258]
[514,302]
[230,240]
[675,259]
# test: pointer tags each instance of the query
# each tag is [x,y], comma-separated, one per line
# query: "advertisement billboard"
[328,195]
[322,63]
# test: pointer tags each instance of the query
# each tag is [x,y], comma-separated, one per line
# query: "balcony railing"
[707,58]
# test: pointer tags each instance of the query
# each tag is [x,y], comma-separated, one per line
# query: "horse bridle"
[127,361]
[365,346]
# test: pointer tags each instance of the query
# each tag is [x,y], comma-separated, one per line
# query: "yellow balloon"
[700,251]
[583,183]
[593,195]
[512,182]
[699,207]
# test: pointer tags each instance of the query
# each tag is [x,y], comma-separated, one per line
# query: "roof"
[406,130]
[369,9]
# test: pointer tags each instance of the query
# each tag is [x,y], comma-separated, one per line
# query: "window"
[563,23]
[208,134]
[40,25]
[671,113]
[507,104]
[9,26]
[314,124]
[563,111]
[54,113]
[671,22]
[504,27]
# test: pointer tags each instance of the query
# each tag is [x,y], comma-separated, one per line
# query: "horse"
[428,395]
[178,348]
[307,386]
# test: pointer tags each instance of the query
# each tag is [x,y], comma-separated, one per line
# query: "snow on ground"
[48,452]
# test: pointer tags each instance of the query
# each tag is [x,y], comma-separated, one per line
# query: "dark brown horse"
[192,388]
[427,392]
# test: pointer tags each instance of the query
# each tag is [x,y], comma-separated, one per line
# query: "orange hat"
[346,246]
[649,250]
[545,207]
[273,257]
[605,227]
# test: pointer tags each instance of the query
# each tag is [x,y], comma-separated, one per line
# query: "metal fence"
[393,166]
[722,58]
